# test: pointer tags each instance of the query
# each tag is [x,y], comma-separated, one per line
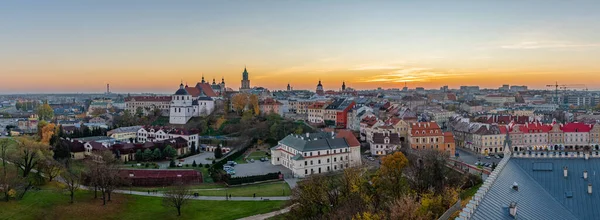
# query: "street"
[470,158]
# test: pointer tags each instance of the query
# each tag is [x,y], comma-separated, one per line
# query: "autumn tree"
[97,112]
[389,179]
[239,102]
[40,128]
[47,133]
[104,174]
[45,112]
[406,207]
[29,153]
[253,101]
[177,197]
[72,179]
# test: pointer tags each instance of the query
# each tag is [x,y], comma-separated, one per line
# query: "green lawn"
[256,155]
[50,203]
[470,192]
[279,188]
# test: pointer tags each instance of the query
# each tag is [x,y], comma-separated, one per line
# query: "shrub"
[251,179]
[206,166]
[187,165]
[194,164]
[146,165]
[172,163]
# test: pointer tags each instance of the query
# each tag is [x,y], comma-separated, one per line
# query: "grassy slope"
[265,189]
[53,204]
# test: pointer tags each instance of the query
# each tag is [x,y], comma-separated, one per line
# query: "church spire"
[203,78]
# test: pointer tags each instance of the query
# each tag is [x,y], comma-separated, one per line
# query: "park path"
[268,215]
[213,198]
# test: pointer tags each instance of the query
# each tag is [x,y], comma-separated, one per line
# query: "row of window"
[328,160]
[312,171]
[335,151]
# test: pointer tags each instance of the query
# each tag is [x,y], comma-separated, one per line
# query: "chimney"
[515,186]
[585,175]
[589,188]
[512,209]
[565,172]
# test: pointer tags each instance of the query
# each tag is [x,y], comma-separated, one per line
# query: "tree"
[105,175]
[147,155]
[72,179]
[139,156]
[389,178]
[50,168]
[47,133]
[239,102]
[29,153]
[40,127]
[156,154]
[298,130]
[169,152]
[172,163]
[139,112]
[61,150]
[177,197]
[194,164]
[218,152]
[45,112]
[406,207]
[254,102]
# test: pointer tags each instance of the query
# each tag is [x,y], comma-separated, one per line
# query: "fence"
[451,210]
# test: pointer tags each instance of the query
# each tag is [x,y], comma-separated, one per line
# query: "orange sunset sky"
[72,46]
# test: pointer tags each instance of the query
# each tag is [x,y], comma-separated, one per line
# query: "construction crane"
[564,87]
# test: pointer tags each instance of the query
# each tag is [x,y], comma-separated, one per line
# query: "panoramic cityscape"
[299,110]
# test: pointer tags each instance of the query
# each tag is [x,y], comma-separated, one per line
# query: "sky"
[151,46]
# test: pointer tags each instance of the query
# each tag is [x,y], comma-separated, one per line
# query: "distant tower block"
[107,88]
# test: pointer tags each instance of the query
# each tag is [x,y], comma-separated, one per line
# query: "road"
[469,157]
[199,158]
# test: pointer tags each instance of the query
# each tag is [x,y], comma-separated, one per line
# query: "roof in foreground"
[542,190]
[314,141]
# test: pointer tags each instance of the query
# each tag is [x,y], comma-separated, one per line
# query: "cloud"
[413,74]
[530,45]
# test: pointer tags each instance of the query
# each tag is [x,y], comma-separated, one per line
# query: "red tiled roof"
[149,98]
[420,129]
[350,138]
[204,87]
[448,137]
[535,127]
[576,127]
[369,120]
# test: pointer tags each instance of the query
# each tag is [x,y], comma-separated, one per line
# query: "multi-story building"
[385,142]
[152,134]
[314,153]
[124,134]
[499,99]
[576,134]
[337,112]
[148,103]
[316,112]
[489,139]
[428,135]
[270,105]
[356,115]
[185,105]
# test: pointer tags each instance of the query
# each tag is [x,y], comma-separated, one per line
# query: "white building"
[152,134]
[317,152]
[184,106]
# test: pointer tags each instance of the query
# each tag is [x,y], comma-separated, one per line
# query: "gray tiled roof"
[542,193]
[314,141]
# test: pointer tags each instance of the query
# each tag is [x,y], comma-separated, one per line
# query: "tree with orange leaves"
[239,102]
[254,102]
[47,132]
[389,176]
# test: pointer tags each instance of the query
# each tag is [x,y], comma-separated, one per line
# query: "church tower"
[289,88]
[245,81]
[343,86]
[320,89]
[181,106]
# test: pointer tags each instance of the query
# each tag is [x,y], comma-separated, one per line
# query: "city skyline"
[67,46]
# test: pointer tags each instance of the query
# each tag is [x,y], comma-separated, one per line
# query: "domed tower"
[343,86]
[320,89]
[181,106]
[289,88]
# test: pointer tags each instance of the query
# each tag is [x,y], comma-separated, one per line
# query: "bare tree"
[72,179]
[177,197]
[104,175]
[50,168]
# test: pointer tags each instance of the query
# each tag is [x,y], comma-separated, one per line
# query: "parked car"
[227,167]
[497,156]
[263,159]
[477,163]
[231,163]
[488,157]
[251,160]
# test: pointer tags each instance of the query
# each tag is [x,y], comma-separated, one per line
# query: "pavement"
[258,168]
[268,215]
[213,198]
[470,157]
[199,158]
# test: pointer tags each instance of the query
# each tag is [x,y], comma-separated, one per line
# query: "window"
[319,161]
[305,171]
[311,162]
[335,159]
[327,160]
[305,162]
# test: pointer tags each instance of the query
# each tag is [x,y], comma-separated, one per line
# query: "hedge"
[251,179]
